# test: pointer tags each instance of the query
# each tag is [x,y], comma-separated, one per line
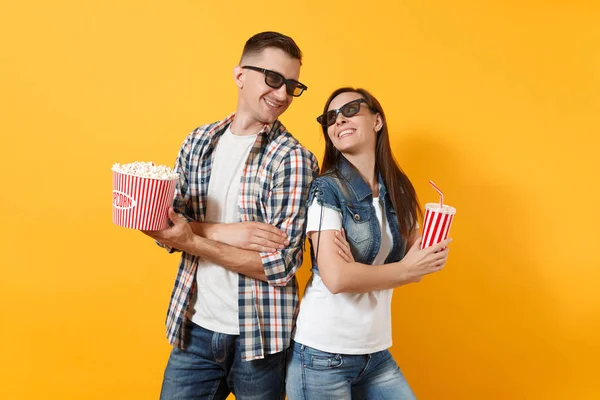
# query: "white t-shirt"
[346,323]
[215,305]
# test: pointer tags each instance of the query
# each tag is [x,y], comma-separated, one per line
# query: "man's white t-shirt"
[215,304]
[346,323]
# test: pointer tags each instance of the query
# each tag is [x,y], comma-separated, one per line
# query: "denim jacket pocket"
[356,223]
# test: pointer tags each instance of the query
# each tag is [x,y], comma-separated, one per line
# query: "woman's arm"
[342,276]
[412,238]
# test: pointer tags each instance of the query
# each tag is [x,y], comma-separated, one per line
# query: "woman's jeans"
[314,374]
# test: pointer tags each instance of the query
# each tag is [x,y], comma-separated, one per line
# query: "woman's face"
[355,134]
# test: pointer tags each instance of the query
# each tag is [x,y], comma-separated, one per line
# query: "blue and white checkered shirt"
[274,189]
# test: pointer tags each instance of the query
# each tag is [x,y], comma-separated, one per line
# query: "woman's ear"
[378,122]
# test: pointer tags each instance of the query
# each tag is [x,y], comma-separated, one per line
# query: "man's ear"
[239,76]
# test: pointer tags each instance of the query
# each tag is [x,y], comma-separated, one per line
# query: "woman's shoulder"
[325,189]
[330,182]
[326,178]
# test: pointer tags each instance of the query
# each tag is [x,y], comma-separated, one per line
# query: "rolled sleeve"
[286,209]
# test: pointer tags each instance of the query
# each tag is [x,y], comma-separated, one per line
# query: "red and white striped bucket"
[437,223]
[142,203]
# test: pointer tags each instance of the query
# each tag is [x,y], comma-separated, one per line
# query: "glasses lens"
[331,117]
[351,109]
[273,79]
[327,118]
[295,89]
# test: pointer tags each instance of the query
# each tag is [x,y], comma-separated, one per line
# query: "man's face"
[262,102]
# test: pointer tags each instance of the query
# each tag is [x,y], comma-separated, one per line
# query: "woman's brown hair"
[401,191]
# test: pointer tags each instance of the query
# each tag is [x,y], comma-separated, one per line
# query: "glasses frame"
[290,84]
[322,119]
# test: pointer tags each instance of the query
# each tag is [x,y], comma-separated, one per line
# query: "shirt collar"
[271,130]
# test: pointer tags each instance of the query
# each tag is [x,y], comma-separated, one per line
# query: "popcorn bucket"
[142,203]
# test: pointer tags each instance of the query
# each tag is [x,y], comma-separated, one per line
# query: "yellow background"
[497,102]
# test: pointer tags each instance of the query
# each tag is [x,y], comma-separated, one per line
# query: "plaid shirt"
[274,189]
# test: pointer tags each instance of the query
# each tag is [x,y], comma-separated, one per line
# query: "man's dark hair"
[261,41]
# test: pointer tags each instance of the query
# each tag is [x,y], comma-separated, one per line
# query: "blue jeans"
[211,367]
[314,374]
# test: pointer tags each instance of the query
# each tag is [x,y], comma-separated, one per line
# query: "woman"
[343,331]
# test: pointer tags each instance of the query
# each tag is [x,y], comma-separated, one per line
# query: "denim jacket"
[349,194]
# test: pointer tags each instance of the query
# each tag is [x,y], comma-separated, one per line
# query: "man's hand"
[178,236]
[256,236]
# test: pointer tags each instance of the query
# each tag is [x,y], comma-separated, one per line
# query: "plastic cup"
[437,223]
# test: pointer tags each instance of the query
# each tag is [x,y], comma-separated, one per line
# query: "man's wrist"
[211,231]
[191,244]
[206,230]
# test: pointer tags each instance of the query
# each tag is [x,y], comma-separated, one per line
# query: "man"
[238,218]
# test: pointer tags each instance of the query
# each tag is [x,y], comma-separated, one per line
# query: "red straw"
[440,192]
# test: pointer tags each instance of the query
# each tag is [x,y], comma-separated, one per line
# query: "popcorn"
[146,170]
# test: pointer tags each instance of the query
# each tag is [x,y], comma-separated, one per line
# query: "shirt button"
[356,217]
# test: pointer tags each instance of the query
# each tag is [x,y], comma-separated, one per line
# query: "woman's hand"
[422,262]
[343,246]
